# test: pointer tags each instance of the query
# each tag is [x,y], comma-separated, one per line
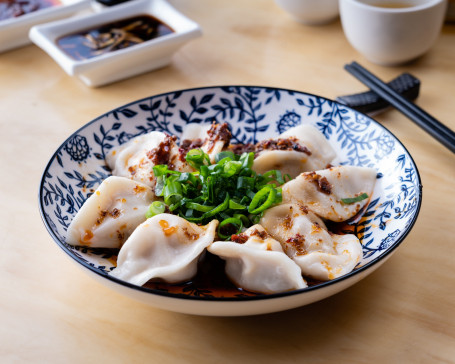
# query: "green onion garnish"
[262,200]
[351,200]
[226,154]
[160,170]
[199,207]
[227,190]
[232,221]
[156,208]
[236,206]
[197,157]
[231,168]
[245,220]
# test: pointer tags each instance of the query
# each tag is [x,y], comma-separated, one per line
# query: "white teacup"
[391,32]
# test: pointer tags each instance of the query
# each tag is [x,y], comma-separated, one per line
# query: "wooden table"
[52,312]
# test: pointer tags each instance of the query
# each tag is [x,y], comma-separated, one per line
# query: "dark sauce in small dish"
[14,8]
[113,36]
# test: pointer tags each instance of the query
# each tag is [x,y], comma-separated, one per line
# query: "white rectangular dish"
[14,31]
[122,63]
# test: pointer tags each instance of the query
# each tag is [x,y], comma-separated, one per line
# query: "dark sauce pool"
[210,281]
[113,36]
[14,8]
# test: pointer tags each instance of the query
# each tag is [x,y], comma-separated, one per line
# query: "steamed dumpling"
[165,246]
[257,263]
[346,252]
[130,159]
[195,131]
[321,150]
[299,149]
[305,239]
[216,140]
[136,158]
[211,138]
[322,191]
[111,214]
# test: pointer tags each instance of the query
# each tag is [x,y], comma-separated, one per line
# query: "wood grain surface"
[52,312]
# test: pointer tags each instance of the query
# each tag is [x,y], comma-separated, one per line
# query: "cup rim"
[427,5]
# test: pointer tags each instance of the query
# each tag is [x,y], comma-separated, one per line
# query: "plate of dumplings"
[232,200]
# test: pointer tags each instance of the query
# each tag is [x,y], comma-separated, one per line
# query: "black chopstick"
[403,102]
[428,123]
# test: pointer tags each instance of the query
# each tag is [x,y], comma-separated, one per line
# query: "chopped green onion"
[231,221]
[247,159]
[221,207]
[175,206]
[245,182]
[236,206]
[204,171]
[196,158]
[250,194]
[160,170]
[216,169]
[246,171]
[231,168]
[187,177]
[225,190]
[210,189]
[274,175]
[221,163]
[195,155]
[255,218]
[245,220]
[351,200]
[192,219]
[159,186]
[198,207]
[172,192]
[268,191]
[155,208]
[245,200]
[224,215]
[225,154]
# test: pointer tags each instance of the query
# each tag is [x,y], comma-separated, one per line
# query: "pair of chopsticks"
[427,122]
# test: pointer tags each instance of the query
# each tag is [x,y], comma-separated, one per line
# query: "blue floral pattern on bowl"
[253,114]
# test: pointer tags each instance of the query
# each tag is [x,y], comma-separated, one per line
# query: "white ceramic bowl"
[310,12]
[253,113]
[123,63]
[14,31]
[391,36]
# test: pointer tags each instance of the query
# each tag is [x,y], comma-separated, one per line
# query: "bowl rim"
[152,291]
